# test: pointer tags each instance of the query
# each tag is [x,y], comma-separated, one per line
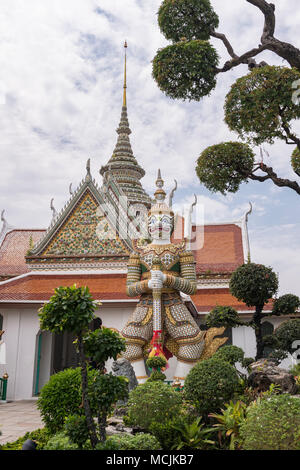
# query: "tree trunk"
[258,332]
[86,403]
[102,426]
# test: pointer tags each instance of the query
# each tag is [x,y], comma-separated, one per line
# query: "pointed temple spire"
[123,166]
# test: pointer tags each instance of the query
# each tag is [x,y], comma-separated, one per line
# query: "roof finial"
[88,170]
[125,77]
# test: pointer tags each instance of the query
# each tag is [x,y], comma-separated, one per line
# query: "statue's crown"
[160,206]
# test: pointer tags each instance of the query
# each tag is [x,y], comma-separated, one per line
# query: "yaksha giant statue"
[158,273]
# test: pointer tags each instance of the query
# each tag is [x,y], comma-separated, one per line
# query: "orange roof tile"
[222,249]
[13,250]
[41,286]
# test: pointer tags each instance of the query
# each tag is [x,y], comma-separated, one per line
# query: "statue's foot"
[182,370]
[140,371]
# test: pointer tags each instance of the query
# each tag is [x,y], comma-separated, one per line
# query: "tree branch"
[270,174]
[226,43]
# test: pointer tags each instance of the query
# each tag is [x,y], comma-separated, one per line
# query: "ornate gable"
[86,232]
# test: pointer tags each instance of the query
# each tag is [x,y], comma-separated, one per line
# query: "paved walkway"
[17,418]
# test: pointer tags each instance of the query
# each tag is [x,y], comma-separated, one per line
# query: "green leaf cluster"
[230,353]
[222,316]
[295,160]
[61,396]
[259,105]
[223,167]
[286,333]
[272,423]
[186,70]
[210,384]
[69,309]
[189,19]
[286,305]
[76,429]
[139,441]
[253,284]
[108,389]
[150,402]
[103,344]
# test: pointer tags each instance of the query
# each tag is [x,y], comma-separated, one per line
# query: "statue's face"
[160,226]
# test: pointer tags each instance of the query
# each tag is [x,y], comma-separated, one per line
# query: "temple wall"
[21,326]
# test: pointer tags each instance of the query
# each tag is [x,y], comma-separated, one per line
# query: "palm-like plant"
[229,422]
[193,435]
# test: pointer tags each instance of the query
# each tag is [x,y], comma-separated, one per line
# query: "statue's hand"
[155,284]
[158,275]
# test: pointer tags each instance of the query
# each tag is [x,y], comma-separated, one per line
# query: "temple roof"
[39,287]
[13,249]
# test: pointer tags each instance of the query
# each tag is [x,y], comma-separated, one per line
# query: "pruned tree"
[256,285]
[260,106]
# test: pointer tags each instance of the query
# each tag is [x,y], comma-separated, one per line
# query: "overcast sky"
[61,78]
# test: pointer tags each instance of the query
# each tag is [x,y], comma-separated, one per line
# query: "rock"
[265,372]
[123,367]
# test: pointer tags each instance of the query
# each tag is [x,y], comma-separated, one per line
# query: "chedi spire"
[123,166]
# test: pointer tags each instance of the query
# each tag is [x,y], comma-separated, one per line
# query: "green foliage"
[194,436]
[103,344]
[287,333]
[210,384]
[231,354]
[295,370]
[295,160]
[152,401]
[190,19]
[286,305]
[156,375]
[108,389]
[168,433]
[253,284]
[60,441]
[76,429]
[272,424]
[186,70]
[260,104]
[40,436]
[69,309]
[140,441]
[156,362]
[61,397]
[229,423]
[222,316]
[224,167]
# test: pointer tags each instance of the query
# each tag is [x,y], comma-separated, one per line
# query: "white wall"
[21,326]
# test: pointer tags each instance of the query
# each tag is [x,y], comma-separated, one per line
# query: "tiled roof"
[222,248]
[13,250]
[41,286]
[34,287]
[206,299]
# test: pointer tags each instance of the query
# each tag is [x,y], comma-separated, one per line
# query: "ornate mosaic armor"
[180,333]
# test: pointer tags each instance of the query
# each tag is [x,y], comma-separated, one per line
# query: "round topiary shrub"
[191,19]
[286,305]
[61,397]
[222,316]
[210,384]
[272,424]
[186,70]
[230,353]
[152,401]
[287,333]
